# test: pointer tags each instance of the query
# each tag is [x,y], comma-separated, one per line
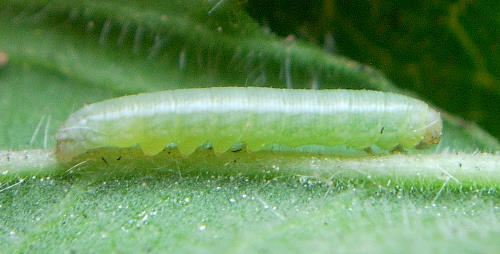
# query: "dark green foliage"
[446,51]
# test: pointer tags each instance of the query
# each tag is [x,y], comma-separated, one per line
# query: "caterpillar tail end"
[433,130]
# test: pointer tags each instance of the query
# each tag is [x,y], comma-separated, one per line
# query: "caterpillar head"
[72,139]
[67,148]
[433,130]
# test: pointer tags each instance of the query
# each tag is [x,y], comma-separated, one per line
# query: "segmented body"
[254,116]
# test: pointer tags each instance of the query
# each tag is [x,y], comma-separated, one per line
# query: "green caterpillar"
[254,116]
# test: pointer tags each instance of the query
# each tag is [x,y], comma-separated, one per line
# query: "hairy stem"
[456,167]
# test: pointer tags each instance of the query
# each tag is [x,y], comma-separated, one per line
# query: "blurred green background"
[446,51]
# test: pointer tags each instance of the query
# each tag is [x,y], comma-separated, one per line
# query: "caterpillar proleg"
[254,116]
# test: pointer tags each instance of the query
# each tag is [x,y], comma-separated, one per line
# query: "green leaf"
[63,54]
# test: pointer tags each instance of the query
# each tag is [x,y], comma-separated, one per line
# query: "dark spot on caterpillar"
[382,130]
[237,149]
[459,164]
[105,161]
[368,150]
[119,158]
[8,157]
[398,149]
